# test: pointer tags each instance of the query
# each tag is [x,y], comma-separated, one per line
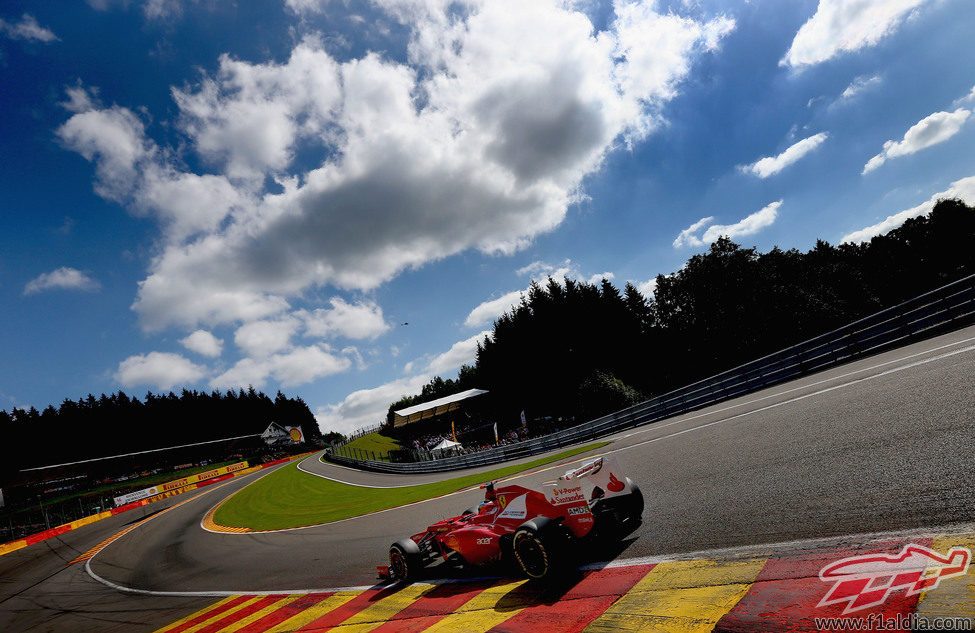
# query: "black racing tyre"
[537,549]
[404,560]
[633,505]
[618,516]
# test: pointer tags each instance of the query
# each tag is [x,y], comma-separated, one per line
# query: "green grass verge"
[288,498]
[378,444]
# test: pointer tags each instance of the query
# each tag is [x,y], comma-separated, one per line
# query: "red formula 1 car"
[533,529]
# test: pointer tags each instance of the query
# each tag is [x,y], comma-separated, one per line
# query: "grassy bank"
[371,446]
[289,498]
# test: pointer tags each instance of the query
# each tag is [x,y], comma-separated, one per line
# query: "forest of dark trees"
[573,348]
[117,424]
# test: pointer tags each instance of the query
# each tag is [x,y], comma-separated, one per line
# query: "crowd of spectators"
[479,436]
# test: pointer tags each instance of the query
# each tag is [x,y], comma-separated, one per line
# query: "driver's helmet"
[489,494]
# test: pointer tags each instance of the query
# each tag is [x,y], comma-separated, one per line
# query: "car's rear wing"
[602,472]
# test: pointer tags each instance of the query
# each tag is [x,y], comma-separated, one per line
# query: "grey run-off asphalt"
[884,443]
[881,444]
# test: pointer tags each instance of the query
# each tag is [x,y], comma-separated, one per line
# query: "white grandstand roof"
[433,408]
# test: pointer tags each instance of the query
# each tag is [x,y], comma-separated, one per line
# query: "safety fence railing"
[940,310]
[354,435]
[342,449]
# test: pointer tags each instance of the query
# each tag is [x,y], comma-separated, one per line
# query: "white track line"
[352,483]
[653,426]
[643,560]
[764,550]
[657,426]
[559,465]
[785,402]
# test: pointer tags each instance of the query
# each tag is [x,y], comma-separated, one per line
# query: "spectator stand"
[469,418]
[458,417]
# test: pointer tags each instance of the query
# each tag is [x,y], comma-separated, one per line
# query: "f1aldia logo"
[868,580]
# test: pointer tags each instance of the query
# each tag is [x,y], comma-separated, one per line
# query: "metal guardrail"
[935,312]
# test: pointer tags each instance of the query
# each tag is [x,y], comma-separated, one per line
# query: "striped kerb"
[780,593]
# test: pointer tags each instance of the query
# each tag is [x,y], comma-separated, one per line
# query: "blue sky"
[209,194]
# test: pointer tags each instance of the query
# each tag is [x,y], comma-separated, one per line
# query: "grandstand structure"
[436,409]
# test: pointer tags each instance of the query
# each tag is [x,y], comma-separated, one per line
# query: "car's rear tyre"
[537,549]
[618,516]
[404,560]
[633,504]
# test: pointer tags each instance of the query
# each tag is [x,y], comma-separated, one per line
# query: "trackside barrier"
[6,548]
[941,310]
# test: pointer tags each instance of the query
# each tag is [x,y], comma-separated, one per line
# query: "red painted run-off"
[785,595]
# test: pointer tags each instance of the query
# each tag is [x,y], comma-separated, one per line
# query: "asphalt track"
[883,444]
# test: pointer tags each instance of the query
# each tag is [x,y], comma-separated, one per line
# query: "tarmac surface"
[882,444]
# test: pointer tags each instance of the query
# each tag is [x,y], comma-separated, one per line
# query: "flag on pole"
[453,431]
[495,432]
[524,420]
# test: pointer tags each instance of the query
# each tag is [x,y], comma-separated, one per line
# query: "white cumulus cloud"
[114,139]
[488,311]
[460,353]
[540,270]
[63,278]
[491,309]
[689,236]
[647,288]
[749,225]
[963,189]
[204,343]
[842,26]
[158,369]
[479,140]
[263,338]
[291,367]
[27,29]
[969,98]
[859,85]
[931,130]
[771,165]
[361,320]
[368,407]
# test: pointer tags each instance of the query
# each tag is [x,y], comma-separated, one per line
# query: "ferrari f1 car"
[534,530]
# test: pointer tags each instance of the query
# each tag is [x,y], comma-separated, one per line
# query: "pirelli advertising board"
[176,484]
